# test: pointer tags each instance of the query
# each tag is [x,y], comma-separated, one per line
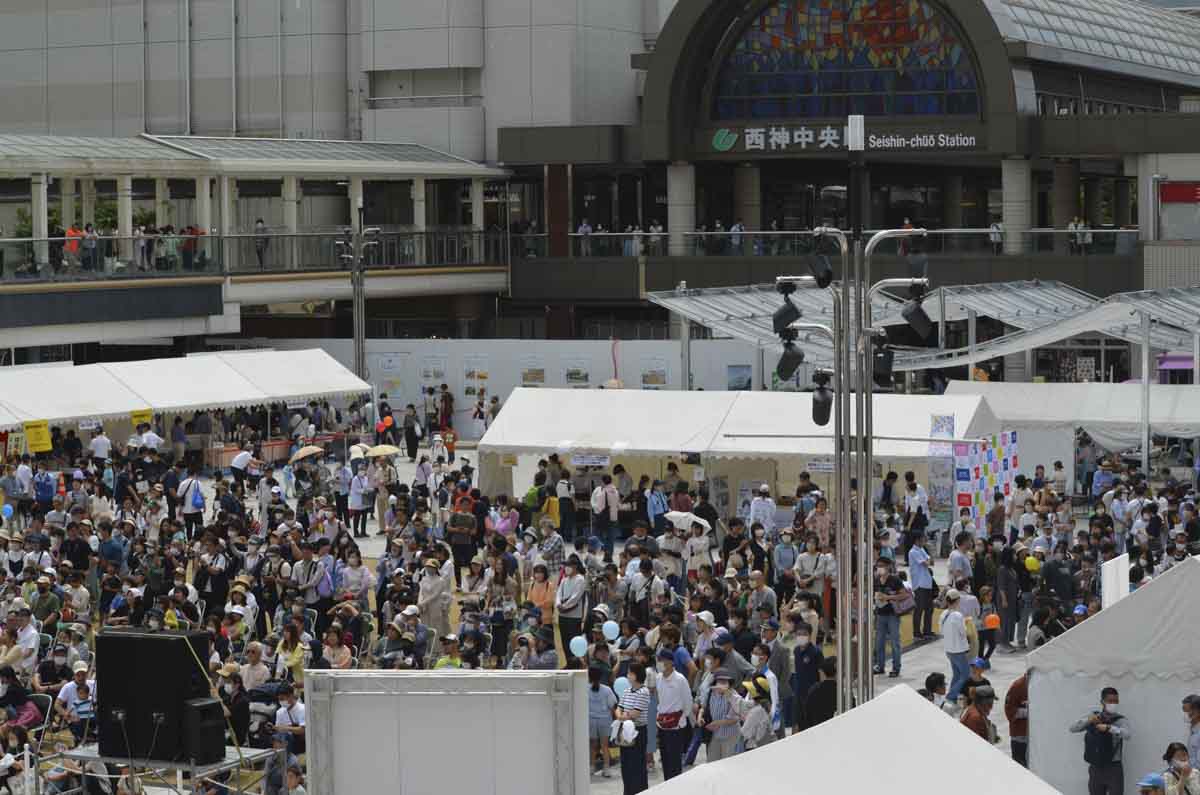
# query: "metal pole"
[685,345]
[1146,394]
[844,666]
[971,321]
[942,319]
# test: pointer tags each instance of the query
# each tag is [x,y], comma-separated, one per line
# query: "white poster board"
[1114,580]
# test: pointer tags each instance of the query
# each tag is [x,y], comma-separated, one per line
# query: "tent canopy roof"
[1151,632]
[219,380]
[894,728]
[719,424]
[1174,408]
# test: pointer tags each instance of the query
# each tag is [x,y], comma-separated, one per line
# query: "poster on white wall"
[577,374]
[433,370]
[533,371]
[475,375]
[718,489]
[387,374]
[654,373]
[745,496]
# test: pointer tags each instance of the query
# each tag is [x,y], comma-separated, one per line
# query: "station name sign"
[804,138]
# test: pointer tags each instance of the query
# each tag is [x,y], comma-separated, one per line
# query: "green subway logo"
[724,140]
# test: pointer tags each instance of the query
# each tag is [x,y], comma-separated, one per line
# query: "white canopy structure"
[1147,646]
[862,751]
[719,424]
[219,380]
[1110,413]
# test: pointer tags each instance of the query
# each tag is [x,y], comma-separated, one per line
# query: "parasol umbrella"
[685,519]
[383,450]
[306,452]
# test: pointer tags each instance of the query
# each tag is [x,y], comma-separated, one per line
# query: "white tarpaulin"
[755,416]
[719,424]
[869,749]
[219,380]
[1147,646]
[1110,413]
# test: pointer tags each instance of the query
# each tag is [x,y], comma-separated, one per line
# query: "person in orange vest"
[449,438]
[71,247]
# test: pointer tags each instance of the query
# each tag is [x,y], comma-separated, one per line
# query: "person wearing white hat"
[954,639]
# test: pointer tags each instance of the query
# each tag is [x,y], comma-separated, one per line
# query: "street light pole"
[354,244]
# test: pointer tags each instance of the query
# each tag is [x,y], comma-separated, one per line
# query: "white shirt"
[255,675]
[68,696]
[241,460]
[152,440]
[675,695]
[100,446]
[762,510]
[25,478]
[28,640]
[290,716]
[954,632]
[184,492]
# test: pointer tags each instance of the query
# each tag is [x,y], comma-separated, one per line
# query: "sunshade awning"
[219,380]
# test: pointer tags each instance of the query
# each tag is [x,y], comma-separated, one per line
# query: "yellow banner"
[508,460]
[37,436]
[142,416]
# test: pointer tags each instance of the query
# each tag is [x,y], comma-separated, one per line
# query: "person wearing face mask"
[888,590]
[289,718]
[52,673]
[1105,731]
[718,717]
[1191,719]
[1180,777]
[234,701]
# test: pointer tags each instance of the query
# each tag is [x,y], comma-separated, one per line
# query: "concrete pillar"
[226,186]
[1016,178]
[1093,207]
[477,219]
[87,199]
[952,194]
[290,195]
[40,212]
[747,196]
[204,204]
[556,222]
[356,203]
[681,207]
[1122,204]
[66,200]
[125,218]
[420,221]
[1064,203]
[162,203]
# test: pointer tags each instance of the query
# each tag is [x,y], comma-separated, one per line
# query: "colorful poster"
[941,426]
[654,373]
[387,373]
[739,377]
[533,371]
[981,469]
[475,375]
[577,374]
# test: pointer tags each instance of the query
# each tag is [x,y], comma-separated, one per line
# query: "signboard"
[142,416]
[585,460]
[88,424]
[981,469]
[831,137]
[37,436]
[508,460]
[1179,192]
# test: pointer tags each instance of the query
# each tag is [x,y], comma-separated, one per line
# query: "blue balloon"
[7,510]
[578,645]
[611,630]
[620,686]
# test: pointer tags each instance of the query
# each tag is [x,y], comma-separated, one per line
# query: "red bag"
[669,720]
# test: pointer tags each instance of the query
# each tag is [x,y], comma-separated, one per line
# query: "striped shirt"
[638,699]
[719,708]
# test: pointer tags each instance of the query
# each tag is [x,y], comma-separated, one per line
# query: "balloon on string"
[620,686]
[578,645]
[7,510]
[611,629]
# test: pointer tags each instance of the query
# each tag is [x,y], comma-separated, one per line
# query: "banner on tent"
[981,469]
[142,416]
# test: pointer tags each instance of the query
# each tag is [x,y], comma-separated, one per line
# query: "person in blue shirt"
[921,576]
[656,507]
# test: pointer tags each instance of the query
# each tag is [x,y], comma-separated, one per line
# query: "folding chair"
[45,703]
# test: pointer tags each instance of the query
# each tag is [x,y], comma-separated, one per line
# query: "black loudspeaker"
[147,676]
[203,731]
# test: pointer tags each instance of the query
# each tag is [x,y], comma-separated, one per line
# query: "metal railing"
[145,256]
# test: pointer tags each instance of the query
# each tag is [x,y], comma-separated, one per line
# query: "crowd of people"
[700,629]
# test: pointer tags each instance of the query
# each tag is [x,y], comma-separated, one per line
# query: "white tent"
[772,427]
[1110,413]
[220,380]
[1148,647]
[869,749]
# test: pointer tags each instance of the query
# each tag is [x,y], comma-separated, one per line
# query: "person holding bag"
[633,706]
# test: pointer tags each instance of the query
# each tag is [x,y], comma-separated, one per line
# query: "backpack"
[325,585]
[197,496]
[1098,746]
[45,487]
[532,497]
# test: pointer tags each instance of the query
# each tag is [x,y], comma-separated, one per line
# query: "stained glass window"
[831,58]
